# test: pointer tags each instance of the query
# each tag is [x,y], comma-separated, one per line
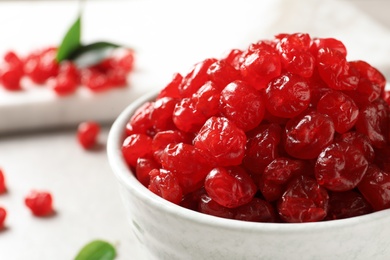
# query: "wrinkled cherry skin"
[335,70]
[287,95]
[242,104]
[340,108]
[222,140]
[3,215]
[331,43]
[262,148]
[257,210]
[208,206]
[141,121]
[230,187]
[369,72]
[166,185]
[360,141]
[222,73]
[161,115]
[143,168]
[187,117]
[375,188]
[187,163]
[373,122]
[340,167]
[40,203]
[303,201]
[347,204]
[308,134]
[164,138]
[172,88]
[136,146]
[206,99]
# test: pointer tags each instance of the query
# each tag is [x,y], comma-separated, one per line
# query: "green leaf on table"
[97,250]
[71,41]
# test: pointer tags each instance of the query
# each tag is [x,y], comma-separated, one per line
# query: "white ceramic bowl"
[168,231]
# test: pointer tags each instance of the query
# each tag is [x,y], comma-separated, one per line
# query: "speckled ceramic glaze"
[167,231]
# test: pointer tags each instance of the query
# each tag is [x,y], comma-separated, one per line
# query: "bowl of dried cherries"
[277,151]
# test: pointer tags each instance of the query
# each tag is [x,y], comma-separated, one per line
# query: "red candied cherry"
[95,81]
[3,187]
[303,201]
[335,70]
[262,148]
[126,61]
[287,95]
[369,72]
[360,141]
[340,167]
[40,203]
[136,146]
[318,88]
[165,184]
[187,117]
[347,204]
[161,114]
[172,88]
[222,140]
[373,122]
[230,187]
[295,55]
[207,99]
[382,158]
[116,78]
[141,122]
[277,174]
[366,92]
[3,215]
[163,138]
[41,65]
[65,83]
[375,188]
[11,71]
[307,134]
[143,168]
[222,73]
[260,66]
[210,207]
[233,57]
[242,104]
[187,163]
[257,210]
[87,134]
[192,200]
[331,43]
[340,108]
[195,78]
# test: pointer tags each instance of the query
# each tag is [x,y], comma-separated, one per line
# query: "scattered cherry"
[87,134]
[3,187]
[3,215]
[40,203]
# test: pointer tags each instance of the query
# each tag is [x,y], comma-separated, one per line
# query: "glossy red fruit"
[340,108]
[11,71]
[335,70]
[347,204]
[87,134]
[206,99]
[3,216]
[242,104]
[172,88]
[210,207]
[262,148]
[230,187]
[141,121]
[369,72]
[287,95]
[308,134]
[187,117]
[3,186]
[340,167]
[166,185]
[40,203]
[257,210]
[331,43]
[161,114]
[360,141]
[41,65]
[375,188]
[373,122]
[195,78]
[222,140]
[126,61]
[143,168]
[162,139]
[136,146]
[221,73]
[188,164]
[303,201]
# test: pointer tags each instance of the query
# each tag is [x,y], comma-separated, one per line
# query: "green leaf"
[71,41]
[97,250]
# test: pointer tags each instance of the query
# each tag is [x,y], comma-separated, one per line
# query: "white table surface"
[169,36]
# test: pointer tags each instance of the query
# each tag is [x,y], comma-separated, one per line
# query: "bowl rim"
[126,178]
